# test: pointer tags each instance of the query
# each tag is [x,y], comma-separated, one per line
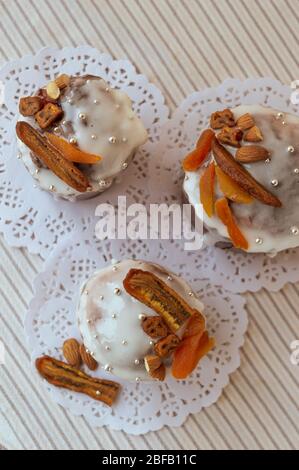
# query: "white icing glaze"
[256,220]
[105,323]
[107,114]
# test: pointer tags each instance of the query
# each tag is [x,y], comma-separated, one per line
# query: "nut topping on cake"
[49,114]
[252,153]
[166,346]
[221,119]
[154,327]
[230,136]
[62,81]
[30,105]
[253,135]
[245,122]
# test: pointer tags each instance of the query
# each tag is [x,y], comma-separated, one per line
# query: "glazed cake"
[262,203]
[137,320]
[96,121]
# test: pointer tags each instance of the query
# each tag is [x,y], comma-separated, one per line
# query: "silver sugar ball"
[294,230]
[258,241]
[112,139]
[274,183]
[117,291]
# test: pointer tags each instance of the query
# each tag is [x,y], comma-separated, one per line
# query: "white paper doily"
[30,217]
[236,271]
[142,407]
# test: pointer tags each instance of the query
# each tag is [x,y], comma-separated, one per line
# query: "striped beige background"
[182,45]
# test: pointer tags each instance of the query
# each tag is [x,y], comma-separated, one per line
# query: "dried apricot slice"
[189,353]
[203,147]
[70,152]
[224,213]
[231,189]
[206,188]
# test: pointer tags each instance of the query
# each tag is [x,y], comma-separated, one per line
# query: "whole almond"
[87,358]
[221,119]
[252,153]
[71,352]
[253,135]
[245,122]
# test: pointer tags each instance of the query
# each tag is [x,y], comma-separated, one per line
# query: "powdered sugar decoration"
[236,270]
[142,407]
[30,217]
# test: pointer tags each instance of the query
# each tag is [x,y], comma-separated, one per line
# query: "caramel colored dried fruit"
[230,136]
[203,147]
[221,119]
[224,213]
[166,346]
[231,189]
[51,157]
[30,105]
[87,358]
[245,122]
[63,375]
[62,81]
[48,115]
[153,292]
[241,176]
[71,352]
[70,152]
[253,135]
[154,327]
[206,189]
[188,354]
[252,153]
